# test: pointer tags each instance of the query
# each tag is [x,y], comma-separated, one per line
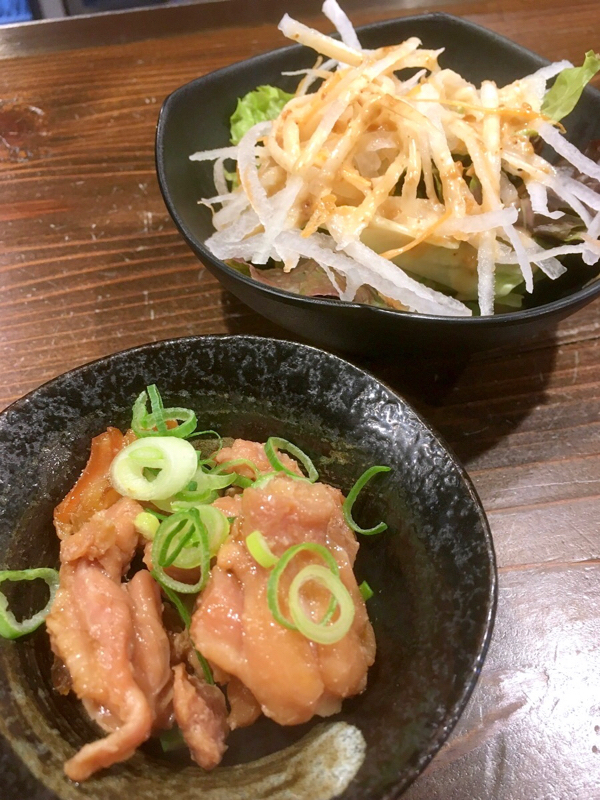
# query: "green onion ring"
[195,551]
[217,526]
[266,478]
[275,443]
[182,541]
[239,480]
[185,418]
[175,458]
[138,414]
[350,500]
[144,424]
[206,492]
[10,628]
[274,577]
[260,550]
[147,524]
[317,631]
[157,407]
[365,591]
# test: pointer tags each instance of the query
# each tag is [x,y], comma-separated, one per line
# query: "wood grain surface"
[90,263]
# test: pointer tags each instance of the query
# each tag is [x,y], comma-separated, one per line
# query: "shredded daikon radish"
[478,223]
[230,211]
[219,177]
[323,44]
[581,191]
[563,191]
[594,229]
[343,25]
[521,253]
[383,173]
[567,150]
[219,152]
[539,200]
[545,255]
[485,268]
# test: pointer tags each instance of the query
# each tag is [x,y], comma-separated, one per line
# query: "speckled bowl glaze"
[433,571]
[196,117]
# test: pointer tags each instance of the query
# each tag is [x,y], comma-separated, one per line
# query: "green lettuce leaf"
[260,105]
[562,98]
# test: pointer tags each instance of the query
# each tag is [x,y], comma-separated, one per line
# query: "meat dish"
[200,587]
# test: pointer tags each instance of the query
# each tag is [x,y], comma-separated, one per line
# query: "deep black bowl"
[195,117]
[433,572]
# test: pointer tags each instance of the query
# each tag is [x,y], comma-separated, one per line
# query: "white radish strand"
[568,150]
[342,24]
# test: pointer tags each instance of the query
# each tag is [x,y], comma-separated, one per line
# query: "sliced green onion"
[365,591]
[187,621]
[146,424]
[139,413]
[146,524]
[156,404]
[182,609]
[175,458]
[10,628]
[260,550]
[172,739]
[210,482]
[274,577]
[265,479]
[275,443]
[206,490]
[182,541]
[350,500]
[242,481]
[180,538]
[217,526]
[239,480]
[317,631]
[156,514]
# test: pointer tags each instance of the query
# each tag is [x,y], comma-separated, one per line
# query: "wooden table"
[91,263]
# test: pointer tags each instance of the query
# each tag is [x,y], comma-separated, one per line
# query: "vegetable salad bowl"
[196,117]
[432,572]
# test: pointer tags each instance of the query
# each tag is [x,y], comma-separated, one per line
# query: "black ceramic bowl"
[433,572]
[195,117]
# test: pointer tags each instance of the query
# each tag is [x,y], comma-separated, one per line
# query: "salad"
[202,584]
[390,180]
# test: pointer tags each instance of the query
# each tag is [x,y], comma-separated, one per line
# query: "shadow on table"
[473,402]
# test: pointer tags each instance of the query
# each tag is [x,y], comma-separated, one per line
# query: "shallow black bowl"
[433,572]
[195,117]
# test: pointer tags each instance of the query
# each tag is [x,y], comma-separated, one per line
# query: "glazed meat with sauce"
[95,633]
[110,638]
[137,670]
[201,713]
[93,491]
[291,677]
